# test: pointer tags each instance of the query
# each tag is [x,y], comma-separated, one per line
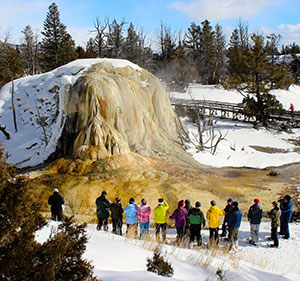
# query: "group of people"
[190,220]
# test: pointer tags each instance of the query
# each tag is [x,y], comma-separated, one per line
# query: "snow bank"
[39,102]
[117,258]
[237,149]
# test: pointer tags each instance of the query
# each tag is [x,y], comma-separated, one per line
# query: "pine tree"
[21,257]
[258,78]
[11,66]
[133,50]
[57,45]
[220,54]
[91,49]
[207,54]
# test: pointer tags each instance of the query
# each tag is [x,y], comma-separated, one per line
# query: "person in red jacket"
[292,108]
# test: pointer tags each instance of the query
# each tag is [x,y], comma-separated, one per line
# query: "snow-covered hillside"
[39,102]
[120,259]
[244,146]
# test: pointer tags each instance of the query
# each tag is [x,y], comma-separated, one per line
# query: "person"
[117,216]
[102,211]
[56,201]
[274,216]
[143,214]
[227,211]
[131,217]
[179,216]
[292,108]
[160,217]
[254,217]
[213,216]
[286,214]
[188,207]
[234,223]
[197,220]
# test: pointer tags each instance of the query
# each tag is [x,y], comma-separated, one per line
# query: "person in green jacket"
[160,216]
[274,215]
[102,205]
[197,220]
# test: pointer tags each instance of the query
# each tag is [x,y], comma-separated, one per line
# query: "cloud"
[221,9]
[290,32]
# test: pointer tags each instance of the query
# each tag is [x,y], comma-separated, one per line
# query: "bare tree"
[100,30]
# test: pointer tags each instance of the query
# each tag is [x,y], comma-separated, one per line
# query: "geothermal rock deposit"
[90,109]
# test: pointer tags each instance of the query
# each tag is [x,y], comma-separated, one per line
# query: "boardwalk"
[234,111]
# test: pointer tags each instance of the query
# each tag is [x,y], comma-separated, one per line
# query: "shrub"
[159,265]
[21,257]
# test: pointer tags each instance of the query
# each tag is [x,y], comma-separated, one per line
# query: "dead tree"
[4,131]
[41,120]
[13,103]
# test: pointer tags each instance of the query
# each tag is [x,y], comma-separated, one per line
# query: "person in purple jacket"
[179,216]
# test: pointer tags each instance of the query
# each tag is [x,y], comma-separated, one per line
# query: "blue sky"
[264,16]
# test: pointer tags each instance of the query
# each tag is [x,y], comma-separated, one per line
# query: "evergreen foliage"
[159,265]
[11,66]
[21,257]
[57,46]
[253,71]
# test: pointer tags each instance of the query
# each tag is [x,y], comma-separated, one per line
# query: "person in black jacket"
[117,216]
[227,211]
[102,205]
[254,217]
[56,201]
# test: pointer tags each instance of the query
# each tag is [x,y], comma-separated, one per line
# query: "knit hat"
[55,190]
[131,201]
[213,203]
[274,203]
[104,193]
[144,201]
[187,202]
[180,203]
[287,197]
[235,204]
[198,204]
[229,200]
[118,199]
[160,201]
[256,200]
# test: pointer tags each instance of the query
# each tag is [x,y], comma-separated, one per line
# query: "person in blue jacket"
[286,208]
[131,218]
[234,223]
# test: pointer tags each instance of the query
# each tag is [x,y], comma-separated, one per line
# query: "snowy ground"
[237,148]
[118,258]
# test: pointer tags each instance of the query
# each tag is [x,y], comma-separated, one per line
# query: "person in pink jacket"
[143,215]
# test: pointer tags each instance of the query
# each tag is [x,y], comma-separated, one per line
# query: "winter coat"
[116,211]
[180,217]
[56,200]
[160,212]
[235,218]
[131,213]
[227,211]
[102,207]
[255,214]
[143,213]
[274,216]
[213,215]
[196,217]
[286,211]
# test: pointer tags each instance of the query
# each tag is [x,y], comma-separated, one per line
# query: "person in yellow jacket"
[213,217]
[160,216]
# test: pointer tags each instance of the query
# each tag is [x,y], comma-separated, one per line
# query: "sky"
[263,16]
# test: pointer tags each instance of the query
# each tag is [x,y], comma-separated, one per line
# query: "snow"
[236,150]
[43,95]
[119,258]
